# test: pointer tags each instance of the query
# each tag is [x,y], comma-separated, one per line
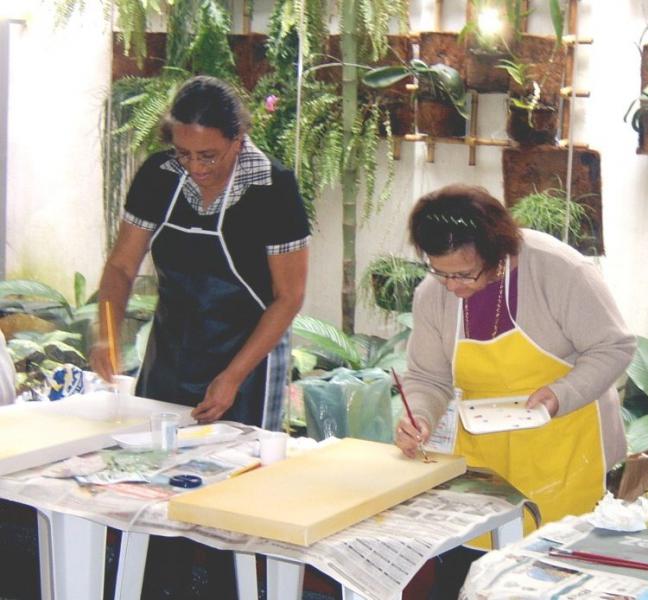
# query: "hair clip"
[457,221]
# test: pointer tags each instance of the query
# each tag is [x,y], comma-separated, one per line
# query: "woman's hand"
[219,397]
[100,361]
[408,438]
[544,396]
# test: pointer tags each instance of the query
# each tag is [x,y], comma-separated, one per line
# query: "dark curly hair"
[210,102]
[459,215]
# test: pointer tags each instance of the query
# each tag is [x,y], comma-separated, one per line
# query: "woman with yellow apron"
[511,312]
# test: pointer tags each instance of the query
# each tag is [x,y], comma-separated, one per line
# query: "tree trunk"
[349,175]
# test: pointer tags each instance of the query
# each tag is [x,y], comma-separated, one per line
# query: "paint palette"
[501,414]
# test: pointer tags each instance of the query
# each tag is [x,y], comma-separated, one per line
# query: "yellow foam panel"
[37,433]
[315,494]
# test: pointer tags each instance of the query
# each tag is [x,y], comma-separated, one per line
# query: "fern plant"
[547,211]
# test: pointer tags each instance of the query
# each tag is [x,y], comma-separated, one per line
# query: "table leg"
[74,553]
[285,579]
[131,565]
[509,532]
[246,576]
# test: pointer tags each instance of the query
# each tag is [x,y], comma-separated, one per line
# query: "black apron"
[205,314]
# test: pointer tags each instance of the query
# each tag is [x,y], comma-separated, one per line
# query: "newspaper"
[525,569]
[375,558]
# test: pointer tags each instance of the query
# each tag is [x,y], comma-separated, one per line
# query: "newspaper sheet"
[375,558]
[525,569]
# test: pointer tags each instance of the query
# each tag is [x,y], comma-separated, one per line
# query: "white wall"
[58,83]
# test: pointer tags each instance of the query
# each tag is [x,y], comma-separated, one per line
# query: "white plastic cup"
[164,431]
[272,446]
[124,384]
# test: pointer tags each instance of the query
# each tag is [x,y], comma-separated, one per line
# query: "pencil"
[110,330]
[244,469]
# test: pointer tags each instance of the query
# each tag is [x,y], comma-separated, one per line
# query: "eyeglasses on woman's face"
[207,158]
[458,277]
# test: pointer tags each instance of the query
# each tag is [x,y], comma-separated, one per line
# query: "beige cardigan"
[564,306]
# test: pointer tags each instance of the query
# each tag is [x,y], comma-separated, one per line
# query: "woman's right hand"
[100,361]
[408,438]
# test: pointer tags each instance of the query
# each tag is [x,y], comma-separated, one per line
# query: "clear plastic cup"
[164,431]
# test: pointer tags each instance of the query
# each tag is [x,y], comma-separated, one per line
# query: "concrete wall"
[58,84]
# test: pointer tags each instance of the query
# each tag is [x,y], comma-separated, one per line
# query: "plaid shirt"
[252,168]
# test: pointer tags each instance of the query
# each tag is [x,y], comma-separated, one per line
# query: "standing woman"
[510,312]
[228,235]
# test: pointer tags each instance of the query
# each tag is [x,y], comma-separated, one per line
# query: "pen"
[601,559]
[410,416]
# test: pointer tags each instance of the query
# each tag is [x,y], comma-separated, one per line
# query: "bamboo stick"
[472,147]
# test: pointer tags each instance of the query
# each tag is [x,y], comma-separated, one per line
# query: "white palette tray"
[501,414]
[188,437]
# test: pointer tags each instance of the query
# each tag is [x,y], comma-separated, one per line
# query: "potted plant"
[391,280]
[637,116]
[491,30]
[546,211]
[532,119]
[438,90]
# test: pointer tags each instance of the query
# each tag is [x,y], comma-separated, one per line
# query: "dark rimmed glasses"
[459,277]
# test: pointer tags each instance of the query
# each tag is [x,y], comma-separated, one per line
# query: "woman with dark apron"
[228,236]
[509,312]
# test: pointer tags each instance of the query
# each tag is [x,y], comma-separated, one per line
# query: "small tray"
[194,435]
[501,414]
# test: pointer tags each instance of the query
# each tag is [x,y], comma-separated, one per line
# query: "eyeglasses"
[459,277]
[205,159]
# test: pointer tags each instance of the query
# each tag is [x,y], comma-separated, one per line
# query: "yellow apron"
[559,466]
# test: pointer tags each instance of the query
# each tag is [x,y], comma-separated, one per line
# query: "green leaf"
[303,360]
[79,289]
[557,19]
[33,289]
[637,434]
[327,338]
[638,368]
[383,77]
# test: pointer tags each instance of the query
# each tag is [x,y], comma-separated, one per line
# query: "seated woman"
[511,312]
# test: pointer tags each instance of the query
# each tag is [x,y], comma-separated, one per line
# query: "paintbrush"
[112,349]
[426,457]
[601,559]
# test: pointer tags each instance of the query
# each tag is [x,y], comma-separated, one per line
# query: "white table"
[72,546]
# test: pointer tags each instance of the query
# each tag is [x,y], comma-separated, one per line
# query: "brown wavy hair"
[459,215]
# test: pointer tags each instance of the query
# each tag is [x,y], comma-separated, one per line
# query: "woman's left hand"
[544,396]
[219,397]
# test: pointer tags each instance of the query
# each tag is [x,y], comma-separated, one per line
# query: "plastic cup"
[164,431]
[124,384]
[272,446]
